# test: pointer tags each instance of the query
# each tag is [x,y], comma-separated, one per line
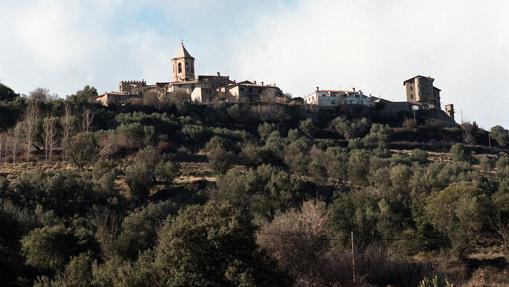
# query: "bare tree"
[67,124]
[180,96]
[153,98]
[298,240]
[86,121]
[3,145]
[29,126]
[6,152]
[107,145]
[15,133]
[39,94]
[49,124]
[42,95]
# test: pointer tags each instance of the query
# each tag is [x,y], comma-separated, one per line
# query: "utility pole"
[353,258]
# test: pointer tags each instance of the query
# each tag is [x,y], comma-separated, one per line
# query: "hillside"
[233,194]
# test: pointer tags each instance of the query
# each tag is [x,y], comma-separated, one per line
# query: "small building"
[186,87]
[334,98]
[128,87]
[420,91]
[162,85]
[449,110]
[117,98]
[248,91]
[208,87]
[215,81]
[203,95]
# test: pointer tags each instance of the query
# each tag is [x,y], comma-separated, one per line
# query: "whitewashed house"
[334,98]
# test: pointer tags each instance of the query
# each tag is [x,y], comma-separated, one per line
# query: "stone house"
[117,98]
[248,91]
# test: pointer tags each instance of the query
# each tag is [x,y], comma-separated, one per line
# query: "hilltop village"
[421,94]
[208,181]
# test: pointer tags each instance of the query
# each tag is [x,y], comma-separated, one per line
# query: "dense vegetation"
[95,196]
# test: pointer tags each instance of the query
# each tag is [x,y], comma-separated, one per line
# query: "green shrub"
[307,127]
[166,171]
[140,172]
[82,149]
[358,166]
[51,247]
[419,156]
[501,135]
[265,129]
[78,273]
[213,245]
[350,130]
[458,153]
[296,155]
[104,174]
[139,228]
[66,193]
[220,159]
[460,212]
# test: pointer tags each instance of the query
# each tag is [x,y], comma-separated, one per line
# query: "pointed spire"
[182,52]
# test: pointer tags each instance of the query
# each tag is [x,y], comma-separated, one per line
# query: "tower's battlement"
[127,86]
[142,82]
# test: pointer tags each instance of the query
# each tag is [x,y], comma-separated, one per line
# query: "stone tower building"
[420,90]
[183,66]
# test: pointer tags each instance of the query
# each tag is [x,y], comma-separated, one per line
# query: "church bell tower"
[183,66]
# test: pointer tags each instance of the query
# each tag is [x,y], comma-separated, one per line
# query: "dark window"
[180,68]
[250,90]
[412,97]
[241,89]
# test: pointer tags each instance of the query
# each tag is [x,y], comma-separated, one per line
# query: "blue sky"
[372,45]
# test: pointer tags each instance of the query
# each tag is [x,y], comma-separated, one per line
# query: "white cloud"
[64,45]
[370,44]
[375,45]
